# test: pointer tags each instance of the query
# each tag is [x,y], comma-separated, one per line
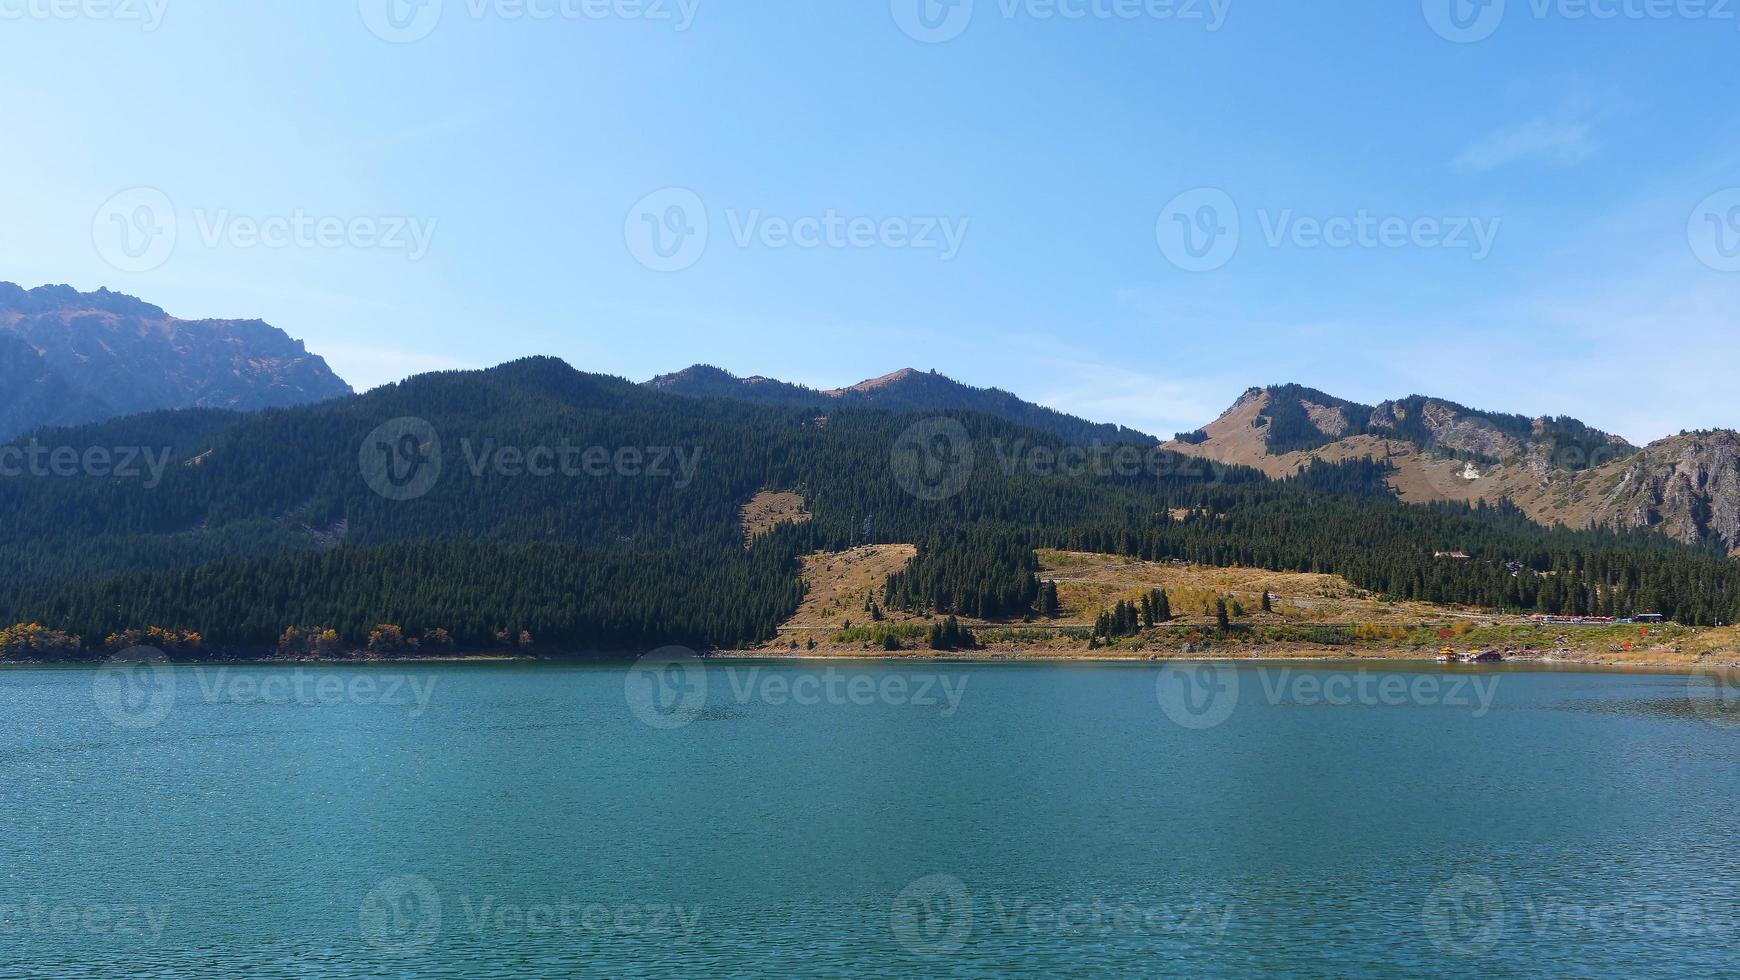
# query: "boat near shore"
[1449,656]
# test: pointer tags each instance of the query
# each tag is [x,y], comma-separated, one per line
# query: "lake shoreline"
[1647,660]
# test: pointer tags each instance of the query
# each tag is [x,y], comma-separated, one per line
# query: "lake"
[860,818]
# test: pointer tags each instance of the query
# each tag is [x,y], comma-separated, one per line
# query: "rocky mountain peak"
[77,357]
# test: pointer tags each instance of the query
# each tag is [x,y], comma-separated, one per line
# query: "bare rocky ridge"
[68,357]
[1686,486]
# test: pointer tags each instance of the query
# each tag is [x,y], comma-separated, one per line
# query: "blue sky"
[997,195]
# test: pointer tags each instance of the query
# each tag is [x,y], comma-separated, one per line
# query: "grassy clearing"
[1313,616]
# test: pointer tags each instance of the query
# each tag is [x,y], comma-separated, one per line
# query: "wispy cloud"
[1563,136]
[1554,142]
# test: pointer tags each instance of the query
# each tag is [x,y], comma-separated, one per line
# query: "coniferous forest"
[265,521]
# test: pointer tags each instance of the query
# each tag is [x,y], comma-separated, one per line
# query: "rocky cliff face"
[1687,485]
[68,357]
[1452,427]
[1557,470]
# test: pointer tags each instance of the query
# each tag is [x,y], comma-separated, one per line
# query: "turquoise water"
[912,819]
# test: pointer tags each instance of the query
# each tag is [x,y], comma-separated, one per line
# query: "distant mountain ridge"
[906,390]
[68,357]
[1556,469]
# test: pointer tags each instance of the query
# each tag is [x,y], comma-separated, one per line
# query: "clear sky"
[1009,195]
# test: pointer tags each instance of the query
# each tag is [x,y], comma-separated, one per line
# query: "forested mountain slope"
[595,513]
[906,390]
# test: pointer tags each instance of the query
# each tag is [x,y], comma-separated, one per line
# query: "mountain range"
[590,512]
[68,357]
[1557,470]
[1316,483]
